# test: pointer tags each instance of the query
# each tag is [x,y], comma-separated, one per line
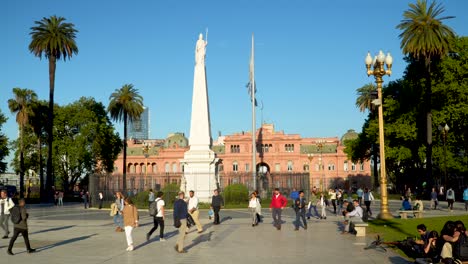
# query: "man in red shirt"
[278,202]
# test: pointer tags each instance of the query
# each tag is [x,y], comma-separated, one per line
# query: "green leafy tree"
[4,151]
[425,38]
[37,121]
[21,105]
[125,104]
[54,39]
[85,142]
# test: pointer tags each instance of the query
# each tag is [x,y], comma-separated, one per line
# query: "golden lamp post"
[146,148]
[310,156]
[321,169]
[376,67]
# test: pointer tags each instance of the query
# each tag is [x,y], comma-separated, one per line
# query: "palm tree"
[21,105]
[54,39]
[365,97]
[426,39]
[125,104]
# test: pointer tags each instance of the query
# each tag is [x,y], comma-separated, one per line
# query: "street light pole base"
[385,216]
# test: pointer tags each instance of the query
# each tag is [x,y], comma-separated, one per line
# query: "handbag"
[177,223]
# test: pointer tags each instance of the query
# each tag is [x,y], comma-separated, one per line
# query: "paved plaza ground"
[71,234]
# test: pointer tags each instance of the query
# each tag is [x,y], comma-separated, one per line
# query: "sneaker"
[305,227]
[296,229]
[10,253]
[162,239]
[130,248]
[147,237]
[32,250]
[4,237]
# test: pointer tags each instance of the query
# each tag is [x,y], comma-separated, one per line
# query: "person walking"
[119,206]
[60,198]
[434,200]
[151,196]
[278,202]
[313,205]
[359,193]
[20,228]
[158,218]
[193,211]
[323,206]
[332,194]
[368,198]
[300,208]
[217,202]
[6,203]
[180,221]
[450,199]
[130,219]
[85,199]
[101,199]
[259,207]
[465,198]
[254,207]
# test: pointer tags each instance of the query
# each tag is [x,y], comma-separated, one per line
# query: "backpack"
[460,249]
[15,215]
[153,208]
[450,193]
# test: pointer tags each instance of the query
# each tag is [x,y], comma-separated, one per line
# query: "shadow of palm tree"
[200,239]
[52,229]
[65,242]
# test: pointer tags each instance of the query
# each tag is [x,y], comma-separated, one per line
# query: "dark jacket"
[23,224]
[217,201]
[300,203]
[180,209]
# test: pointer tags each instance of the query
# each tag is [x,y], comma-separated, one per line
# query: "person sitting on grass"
[421,243]
[430,252]
[406,205]
[452,234]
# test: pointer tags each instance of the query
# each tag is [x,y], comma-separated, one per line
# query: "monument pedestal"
[199,173]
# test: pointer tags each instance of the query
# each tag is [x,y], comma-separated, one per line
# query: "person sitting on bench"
[355,216]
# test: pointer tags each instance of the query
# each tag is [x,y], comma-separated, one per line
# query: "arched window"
[155,168]
[235,166]
[353,166]
[131,168]
[290,166]
[361,166]
[174,167]
[331,166]
[345,165]
[167,167]
[306,167]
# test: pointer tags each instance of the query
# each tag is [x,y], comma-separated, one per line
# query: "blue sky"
[309,57]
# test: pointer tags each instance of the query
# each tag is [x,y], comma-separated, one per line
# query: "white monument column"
[200,161]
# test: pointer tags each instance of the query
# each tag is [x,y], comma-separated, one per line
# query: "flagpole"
[254,130]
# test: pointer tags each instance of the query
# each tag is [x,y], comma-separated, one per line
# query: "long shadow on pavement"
[65,242]
[200,239]
[398,260]
[166,236]
[52,229]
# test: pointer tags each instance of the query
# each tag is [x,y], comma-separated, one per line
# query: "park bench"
[404,213]
[360,228]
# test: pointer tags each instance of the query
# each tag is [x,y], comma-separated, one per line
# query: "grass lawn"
[398,229]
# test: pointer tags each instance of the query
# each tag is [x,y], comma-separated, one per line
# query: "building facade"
[282,160]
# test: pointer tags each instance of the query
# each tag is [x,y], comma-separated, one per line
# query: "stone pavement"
[73,235]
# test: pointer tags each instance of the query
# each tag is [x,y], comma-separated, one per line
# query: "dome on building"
[351,134]
[176,138]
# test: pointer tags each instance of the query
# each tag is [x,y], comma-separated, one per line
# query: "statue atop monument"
[200,50]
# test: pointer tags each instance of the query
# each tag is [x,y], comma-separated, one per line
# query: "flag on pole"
[251,86]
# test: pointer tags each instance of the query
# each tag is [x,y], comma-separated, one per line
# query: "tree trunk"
[21,162]
[41,170]
[428,99]
[50,126]
[124,176]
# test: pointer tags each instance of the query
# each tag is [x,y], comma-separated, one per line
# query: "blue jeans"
[316,214]
[118,220]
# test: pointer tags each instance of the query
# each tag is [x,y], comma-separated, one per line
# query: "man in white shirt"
[193,210]
[354,216]
[158,219]
[5,205]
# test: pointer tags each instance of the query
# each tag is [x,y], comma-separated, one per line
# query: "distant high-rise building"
[139,129]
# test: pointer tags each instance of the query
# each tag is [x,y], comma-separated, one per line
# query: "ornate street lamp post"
[445,129]
[310,156]
[146,148]
[376,67]
[321,171]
